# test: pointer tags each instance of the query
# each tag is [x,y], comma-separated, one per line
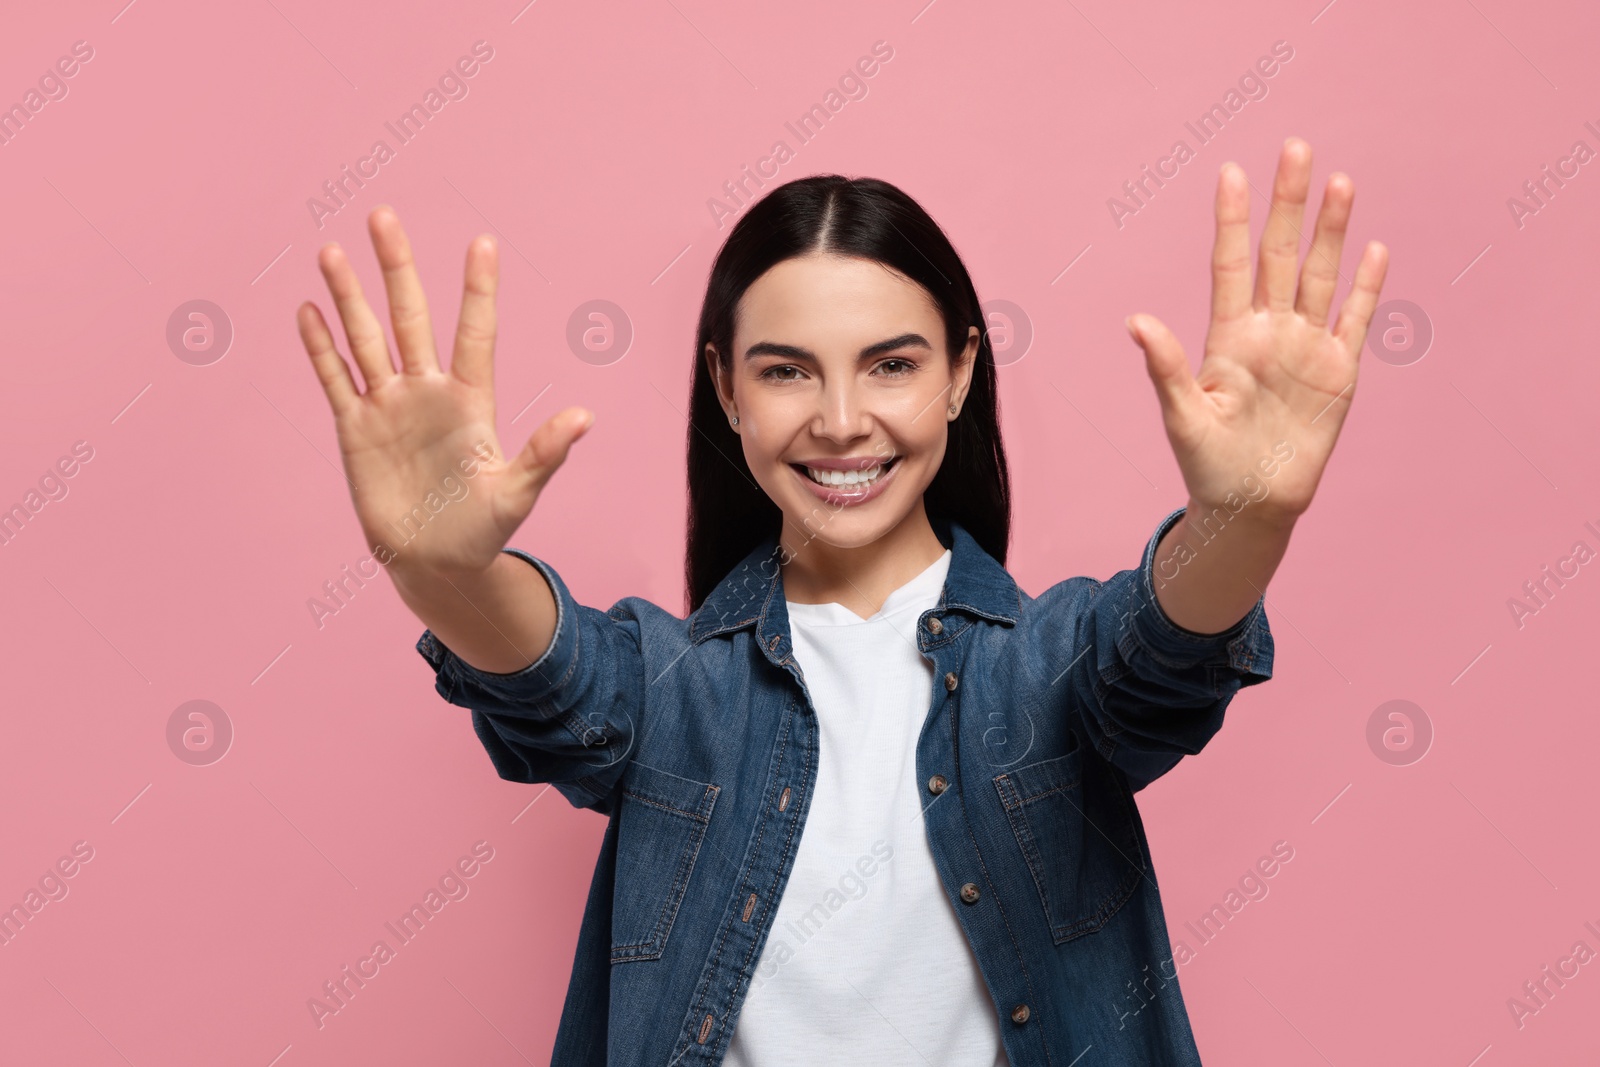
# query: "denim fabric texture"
[697,739]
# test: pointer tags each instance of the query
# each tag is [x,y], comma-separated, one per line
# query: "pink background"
[179,566]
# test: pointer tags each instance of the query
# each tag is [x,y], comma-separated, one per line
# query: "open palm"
[419,434]
[1272,370]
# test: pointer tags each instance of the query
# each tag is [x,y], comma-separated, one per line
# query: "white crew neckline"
[912,593]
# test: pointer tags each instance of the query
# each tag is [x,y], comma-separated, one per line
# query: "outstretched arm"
[1253,430]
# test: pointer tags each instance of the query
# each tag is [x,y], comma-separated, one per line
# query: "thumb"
[1167,365]
[548,446]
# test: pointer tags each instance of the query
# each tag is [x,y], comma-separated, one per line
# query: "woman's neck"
[859,578]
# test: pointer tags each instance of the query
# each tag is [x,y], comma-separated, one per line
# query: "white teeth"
[850,478]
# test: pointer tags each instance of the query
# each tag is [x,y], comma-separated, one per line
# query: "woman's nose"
[842,412]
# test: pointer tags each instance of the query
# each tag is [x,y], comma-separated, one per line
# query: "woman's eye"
[893,368]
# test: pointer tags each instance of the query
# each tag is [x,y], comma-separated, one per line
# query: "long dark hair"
[729,513]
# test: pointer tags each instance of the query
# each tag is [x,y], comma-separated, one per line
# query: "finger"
[1320,276]
[1168,367]
[408,310]
[1230,253]
[1356,313]
[332,372]
[473,358]
[1280,239]
[361,326]
[547,448]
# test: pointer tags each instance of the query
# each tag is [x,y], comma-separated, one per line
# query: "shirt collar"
[752,592]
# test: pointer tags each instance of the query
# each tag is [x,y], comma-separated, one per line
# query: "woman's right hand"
[407,435]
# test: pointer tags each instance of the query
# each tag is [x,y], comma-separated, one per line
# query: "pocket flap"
[681,795]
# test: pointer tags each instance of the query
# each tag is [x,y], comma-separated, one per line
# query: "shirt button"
[950,680]
[969,893]
[938,784]
[934,625]
[1019,1014]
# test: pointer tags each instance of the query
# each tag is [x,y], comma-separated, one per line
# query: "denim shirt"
[697,739]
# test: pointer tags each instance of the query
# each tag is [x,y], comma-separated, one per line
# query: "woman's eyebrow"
[771,348]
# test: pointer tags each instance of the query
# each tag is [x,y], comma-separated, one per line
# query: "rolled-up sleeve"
[1151,692]
[570,717]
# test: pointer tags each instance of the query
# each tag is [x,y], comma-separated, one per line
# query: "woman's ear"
[964,367]
[723,387]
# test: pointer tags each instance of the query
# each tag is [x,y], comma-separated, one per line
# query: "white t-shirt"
[866,961]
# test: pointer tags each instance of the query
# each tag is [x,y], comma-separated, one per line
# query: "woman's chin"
[847,527]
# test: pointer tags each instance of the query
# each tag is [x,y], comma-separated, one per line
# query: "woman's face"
[839,373]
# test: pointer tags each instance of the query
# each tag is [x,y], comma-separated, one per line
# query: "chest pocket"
[663,821]
[1075,825]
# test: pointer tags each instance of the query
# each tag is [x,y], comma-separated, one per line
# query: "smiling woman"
[853,641]
[840,341]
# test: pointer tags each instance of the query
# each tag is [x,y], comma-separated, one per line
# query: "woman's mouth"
[847,487]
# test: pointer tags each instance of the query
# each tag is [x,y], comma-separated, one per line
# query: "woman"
[869,802]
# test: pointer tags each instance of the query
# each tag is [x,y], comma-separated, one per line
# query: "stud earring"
[736,420]
[952,409]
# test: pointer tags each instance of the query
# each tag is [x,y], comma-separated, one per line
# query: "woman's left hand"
[1272,370]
